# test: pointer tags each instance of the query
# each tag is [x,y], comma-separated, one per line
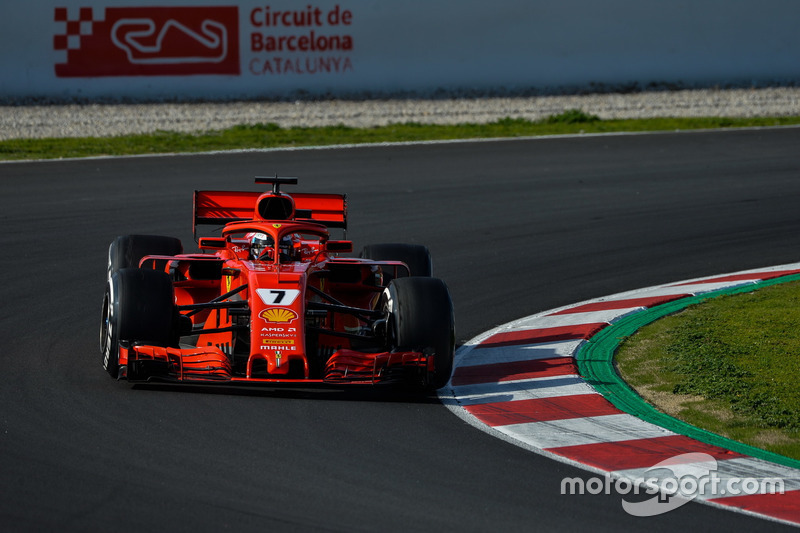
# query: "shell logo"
[278,315]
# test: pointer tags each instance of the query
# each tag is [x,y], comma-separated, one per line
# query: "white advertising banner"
[281,48]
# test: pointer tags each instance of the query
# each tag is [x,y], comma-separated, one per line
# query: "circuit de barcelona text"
[300,65]
[307,41]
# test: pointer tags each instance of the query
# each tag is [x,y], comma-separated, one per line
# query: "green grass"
[272,136]
[729,365]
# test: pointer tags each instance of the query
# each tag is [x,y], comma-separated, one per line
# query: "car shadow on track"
[307,392]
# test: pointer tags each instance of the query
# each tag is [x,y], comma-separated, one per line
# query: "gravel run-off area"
[94,120]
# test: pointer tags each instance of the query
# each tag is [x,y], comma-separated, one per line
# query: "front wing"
[144,363]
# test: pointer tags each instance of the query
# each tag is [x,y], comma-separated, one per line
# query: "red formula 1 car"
[271,300]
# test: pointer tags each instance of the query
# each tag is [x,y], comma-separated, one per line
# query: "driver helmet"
[286,248]
[261,246]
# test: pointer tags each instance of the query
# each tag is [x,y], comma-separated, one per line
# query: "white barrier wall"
[263,48]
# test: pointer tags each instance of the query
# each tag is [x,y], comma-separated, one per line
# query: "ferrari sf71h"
[270,300]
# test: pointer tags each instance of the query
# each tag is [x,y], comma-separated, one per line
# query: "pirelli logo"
[278,342]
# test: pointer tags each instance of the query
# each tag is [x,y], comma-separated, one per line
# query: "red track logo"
[148,41]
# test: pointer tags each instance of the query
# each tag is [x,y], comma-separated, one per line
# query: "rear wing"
[222,207]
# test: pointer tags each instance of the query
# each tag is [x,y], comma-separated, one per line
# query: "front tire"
[139,305]
[416,256]
[421,318]
[127,250]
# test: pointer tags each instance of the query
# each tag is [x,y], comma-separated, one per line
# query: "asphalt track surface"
[515,227]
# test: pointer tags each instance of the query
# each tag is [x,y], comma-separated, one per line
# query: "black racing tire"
[127,250]
[421,317]
[416,256]
[138,305]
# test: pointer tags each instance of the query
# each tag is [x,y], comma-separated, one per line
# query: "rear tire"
[139,305]
[421,317]
[127,250]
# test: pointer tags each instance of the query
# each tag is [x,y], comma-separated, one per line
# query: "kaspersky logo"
[147,41]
